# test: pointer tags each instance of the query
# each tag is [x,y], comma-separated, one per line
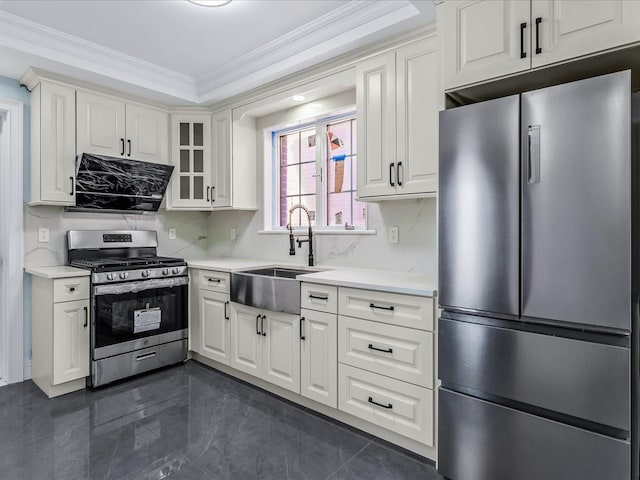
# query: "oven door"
[133,315]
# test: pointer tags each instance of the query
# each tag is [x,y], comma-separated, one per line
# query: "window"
[315,165]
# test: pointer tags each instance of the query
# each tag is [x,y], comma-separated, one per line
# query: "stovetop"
[126,263]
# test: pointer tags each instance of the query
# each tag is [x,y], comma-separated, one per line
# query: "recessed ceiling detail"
[325,29]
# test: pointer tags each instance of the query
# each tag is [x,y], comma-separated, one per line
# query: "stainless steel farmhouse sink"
[273,288]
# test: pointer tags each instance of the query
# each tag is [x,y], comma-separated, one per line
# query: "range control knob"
[146,273]
[176,271]
[165,271]
[111,276]
[124,275]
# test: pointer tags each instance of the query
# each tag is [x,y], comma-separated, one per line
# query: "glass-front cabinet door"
[191,156]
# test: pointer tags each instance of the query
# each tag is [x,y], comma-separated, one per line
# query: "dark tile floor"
[185,422]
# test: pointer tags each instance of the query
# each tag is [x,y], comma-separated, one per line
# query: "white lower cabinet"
[398,406]
[319,357]
[70,341]
[266,344]
[402,353]
[60,334]
[215,338]
[281,350]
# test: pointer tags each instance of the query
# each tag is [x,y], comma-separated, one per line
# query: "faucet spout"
[300,242]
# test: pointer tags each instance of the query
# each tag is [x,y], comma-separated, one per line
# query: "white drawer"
[70,289]
[214,281]
[398,406]
[394,308]
[398,352]
[322,298]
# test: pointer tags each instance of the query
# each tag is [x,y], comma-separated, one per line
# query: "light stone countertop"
[381,280]
[59,271]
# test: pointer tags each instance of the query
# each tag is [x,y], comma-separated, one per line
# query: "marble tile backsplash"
[190,242]
[415,252]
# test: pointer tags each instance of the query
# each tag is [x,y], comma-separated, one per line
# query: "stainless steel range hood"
[117,185]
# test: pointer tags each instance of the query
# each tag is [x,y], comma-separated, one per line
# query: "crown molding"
[36,39]
[351,25]
[351,15]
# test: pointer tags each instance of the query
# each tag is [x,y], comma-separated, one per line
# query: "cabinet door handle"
[538,48]
[226,311]
[383,350]
[129,145]
[72,186]
[122,152]
[398,174]
[86,317]
[264,334]
[257,327]
[302,337]
[390,308]
[523,54]
[392,173]
[388,405]
[208,188]
[318,297]
[213,198]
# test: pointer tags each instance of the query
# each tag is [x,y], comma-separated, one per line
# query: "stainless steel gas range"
[139,302]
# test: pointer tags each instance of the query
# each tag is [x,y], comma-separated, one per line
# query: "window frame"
[320,125]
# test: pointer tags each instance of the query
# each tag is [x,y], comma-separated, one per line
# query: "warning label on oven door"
[146,320]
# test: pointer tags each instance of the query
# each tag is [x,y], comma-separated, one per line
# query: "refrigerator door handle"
[533,160]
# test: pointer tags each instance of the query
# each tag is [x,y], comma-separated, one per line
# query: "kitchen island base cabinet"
[267,345]
[60,334]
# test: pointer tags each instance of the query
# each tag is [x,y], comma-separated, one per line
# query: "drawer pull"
[72,289]
[319,297]
[388,350]
[217,280]
[388,405]
[145,356]
[373,305]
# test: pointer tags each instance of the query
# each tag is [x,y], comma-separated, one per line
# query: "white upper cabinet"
[221,156]
[191,156]
[53,149]
[100,125]
[417,118]
[571,28]
[397,108]
[147,134]
[110,126]
[484,39]
[376,127]
[487,39]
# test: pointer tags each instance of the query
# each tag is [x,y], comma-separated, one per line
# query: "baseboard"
[27,371]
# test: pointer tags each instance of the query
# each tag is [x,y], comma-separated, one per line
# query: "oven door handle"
[135,287]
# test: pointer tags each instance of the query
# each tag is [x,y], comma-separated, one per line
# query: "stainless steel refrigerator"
[538,269]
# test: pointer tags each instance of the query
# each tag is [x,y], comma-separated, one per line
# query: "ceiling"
[176,52]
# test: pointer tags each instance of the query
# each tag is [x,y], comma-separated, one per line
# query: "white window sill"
[318,232]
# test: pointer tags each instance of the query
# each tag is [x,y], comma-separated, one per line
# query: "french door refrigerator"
[538,267]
